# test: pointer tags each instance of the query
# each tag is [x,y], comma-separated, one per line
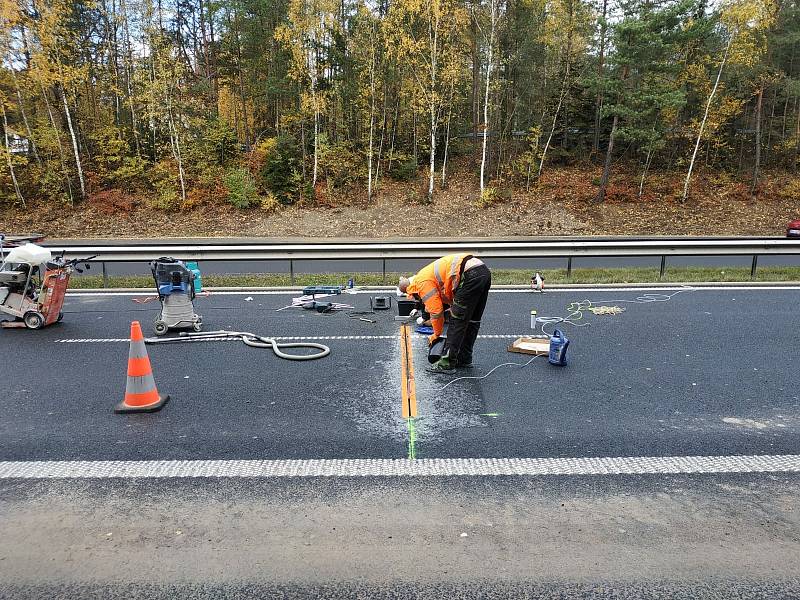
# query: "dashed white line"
[280,338]
[461,467]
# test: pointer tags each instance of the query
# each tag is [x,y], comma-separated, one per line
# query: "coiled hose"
[250,339]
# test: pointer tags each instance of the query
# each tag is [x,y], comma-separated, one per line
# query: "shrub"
[241,187]
[281,172]
[404,167]
[269,203]
[219,141]
[164,179]
[791,191]
[488,197]
[341,165]
[130,172]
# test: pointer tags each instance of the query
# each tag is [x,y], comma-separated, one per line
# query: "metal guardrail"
[292,250]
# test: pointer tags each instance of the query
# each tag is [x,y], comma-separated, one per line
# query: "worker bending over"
[462,282]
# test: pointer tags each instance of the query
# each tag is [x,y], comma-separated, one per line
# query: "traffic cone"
[141,394]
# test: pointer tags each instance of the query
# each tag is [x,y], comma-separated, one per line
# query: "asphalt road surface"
[661,462]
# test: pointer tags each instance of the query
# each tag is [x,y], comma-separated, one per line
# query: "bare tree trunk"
[8,156]
[433,36]
[432,170]
[797,141]
[63,161]
[476,75]
[601,194]
[644,171]
[129,75]
[555,118]
[384,123]
[315,170]
[757,165]
[493,26]
[371,120]
[530,164]
[74,142]
[25,118]
[600,69]
[705,118]
[394,132]
[447,135]
[176,152]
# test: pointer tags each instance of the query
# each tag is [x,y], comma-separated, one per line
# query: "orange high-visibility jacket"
[436,285]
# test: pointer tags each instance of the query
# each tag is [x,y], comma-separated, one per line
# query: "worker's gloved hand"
[432,340]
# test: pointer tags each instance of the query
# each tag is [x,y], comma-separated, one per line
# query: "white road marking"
[521,290]
[279,338]
[435,467]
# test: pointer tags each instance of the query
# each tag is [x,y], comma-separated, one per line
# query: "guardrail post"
[753,267]
[663,267]
[569,267]
[105,275]
[291,272]
[384,271]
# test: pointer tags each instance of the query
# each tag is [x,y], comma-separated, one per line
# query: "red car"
[793,229]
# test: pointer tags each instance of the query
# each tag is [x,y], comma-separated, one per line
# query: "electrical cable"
[575,310]
[521,365]
[250,339]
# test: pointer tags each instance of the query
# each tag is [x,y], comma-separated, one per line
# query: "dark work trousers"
[469,303]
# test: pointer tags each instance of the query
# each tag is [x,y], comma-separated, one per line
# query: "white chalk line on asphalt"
[279,338]
[435,467]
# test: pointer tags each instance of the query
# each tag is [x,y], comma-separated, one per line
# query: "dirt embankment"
[561,204]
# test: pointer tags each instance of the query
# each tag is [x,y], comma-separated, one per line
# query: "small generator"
[175,284]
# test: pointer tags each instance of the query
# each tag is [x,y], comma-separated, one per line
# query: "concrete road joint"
[464,467]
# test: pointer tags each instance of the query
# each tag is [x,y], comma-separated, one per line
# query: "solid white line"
[521,290]
[463,467]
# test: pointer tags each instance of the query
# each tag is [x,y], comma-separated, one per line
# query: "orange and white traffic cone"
[141,394]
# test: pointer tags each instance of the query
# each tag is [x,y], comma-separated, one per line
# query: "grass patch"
[499,276]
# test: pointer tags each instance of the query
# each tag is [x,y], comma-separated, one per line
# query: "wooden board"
[529,345]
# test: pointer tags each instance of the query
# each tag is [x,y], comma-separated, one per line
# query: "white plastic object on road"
[29,254]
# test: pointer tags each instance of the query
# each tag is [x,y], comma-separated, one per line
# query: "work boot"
[443,365]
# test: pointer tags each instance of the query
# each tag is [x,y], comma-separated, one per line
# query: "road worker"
[461,282]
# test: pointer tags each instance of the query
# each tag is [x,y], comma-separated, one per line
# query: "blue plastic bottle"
[198,280]
[558,349]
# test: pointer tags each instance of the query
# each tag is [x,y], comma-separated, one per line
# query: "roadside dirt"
[561,204]
[517,529]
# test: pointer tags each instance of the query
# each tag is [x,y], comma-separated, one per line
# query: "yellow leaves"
[747,22]
[748,15]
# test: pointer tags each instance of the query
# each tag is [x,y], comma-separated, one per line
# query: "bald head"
[403,283]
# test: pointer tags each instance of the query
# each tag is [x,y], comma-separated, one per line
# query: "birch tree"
[494,18]
[565,32]
[426,35]
[307,35]
[743,23]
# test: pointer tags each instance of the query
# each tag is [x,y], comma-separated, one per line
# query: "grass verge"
[499,276]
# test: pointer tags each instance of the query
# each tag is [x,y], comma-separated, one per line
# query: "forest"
[262,103]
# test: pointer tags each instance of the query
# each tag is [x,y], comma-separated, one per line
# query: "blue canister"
[558,348]
[198,280]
